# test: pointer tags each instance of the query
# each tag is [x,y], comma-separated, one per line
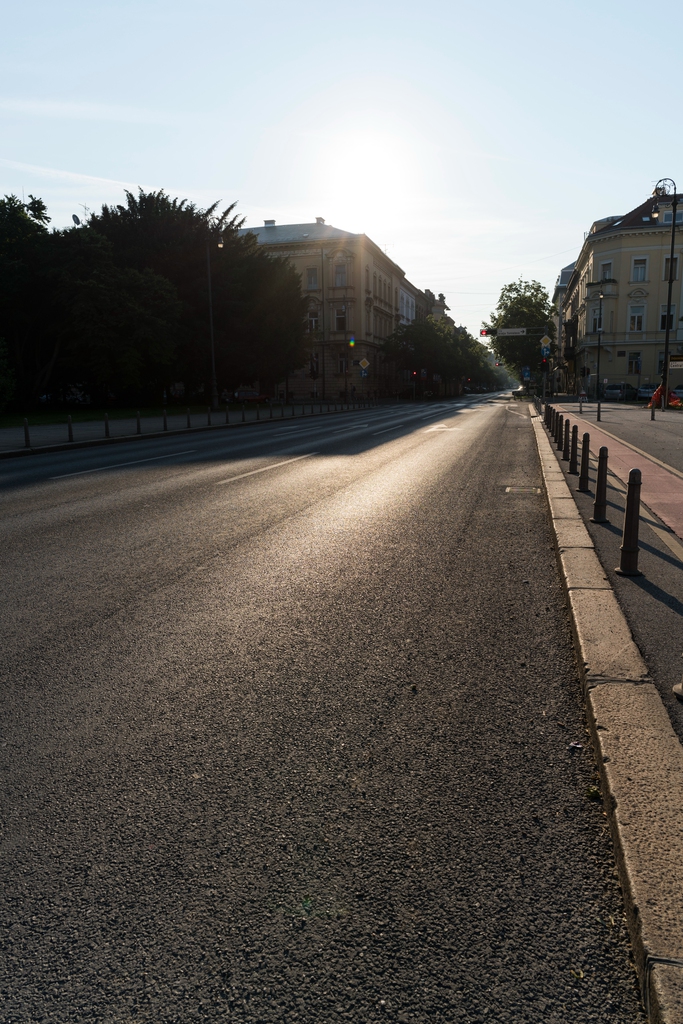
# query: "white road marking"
[395,427]
[118,465]
[264,469]
[440,426]
[340,430]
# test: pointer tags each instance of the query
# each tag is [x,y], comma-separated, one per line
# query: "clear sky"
[476,142]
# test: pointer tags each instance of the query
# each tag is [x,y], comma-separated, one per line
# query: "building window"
[605,271]
[374,284]
[636,318]
[343,366]
[667,262]
[313,319]
[312,279]
[340,319]
[340,275]
[621,354]
[634,363]
[367,280]
[597,321]
[668,217]
[662,317]
[639,268]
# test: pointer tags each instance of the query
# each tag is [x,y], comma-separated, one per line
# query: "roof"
[641,217]
[273,234]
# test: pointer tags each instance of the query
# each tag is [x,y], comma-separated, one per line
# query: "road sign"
[526,373]
[545,341]
[508,332]
[545,351]
[676,362]
[363,373]
[364,363]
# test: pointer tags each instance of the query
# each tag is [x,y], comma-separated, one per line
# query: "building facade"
[356,297]
[626,261]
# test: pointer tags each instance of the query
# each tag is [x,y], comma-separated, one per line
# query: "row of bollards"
[349,406]
[558,428]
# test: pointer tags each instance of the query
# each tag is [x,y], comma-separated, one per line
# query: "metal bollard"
[565,449]
[208,415]
[106,425]
[652,410]
[188,417]
[271,410]
[227,413]
[585,459]
[27,439]
[71,429]
[292,408]
[243,407]
[628,562]
[282,410]
[559,437]
[600,503]
[165,420]
[258,411]
[139,425]
[321,409]
[312,410]
[574,455]
[581,404]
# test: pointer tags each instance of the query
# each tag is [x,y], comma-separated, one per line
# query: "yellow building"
[626,260]
[356,298]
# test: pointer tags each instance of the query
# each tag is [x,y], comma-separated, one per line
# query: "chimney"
[269,223]
[320,220]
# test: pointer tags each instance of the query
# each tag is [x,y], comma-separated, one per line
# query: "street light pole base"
[626,572]
[678,690]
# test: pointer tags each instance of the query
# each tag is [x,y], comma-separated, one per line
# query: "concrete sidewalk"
[662,488]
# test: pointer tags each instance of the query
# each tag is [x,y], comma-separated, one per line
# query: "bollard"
[312,410]
[243,407]
[559,438]
[165,420]
[27,439]
[581,404]
[574,456]
[292,408]
[258,411]
[271,410]
[600,503]
[565,449]
[188,417]
[546,414]
[652,410]
[71,429]
[106,425]
[321,408]
[208,415]
[282,410]
[227,413]
[628,562]
[328,406]
[585,458]
[139,425]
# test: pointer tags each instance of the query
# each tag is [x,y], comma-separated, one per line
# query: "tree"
[522,304]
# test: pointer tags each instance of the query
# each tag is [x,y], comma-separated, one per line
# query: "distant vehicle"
[250,395]
[520,392]
[620,393]
[646,391]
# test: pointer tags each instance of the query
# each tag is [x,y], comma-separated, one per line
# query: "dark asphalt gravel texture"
[298,748]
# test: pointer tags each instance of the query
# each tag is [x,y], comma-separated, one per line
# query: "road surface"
[292,732]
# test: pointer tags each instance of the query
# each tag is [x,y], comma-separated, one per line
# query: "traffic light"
[484,333]
[413,373]
[544,365]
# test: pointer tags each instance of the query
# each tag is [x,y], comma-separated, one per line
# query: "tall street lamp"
[214,381]
[667,187]
[601,296]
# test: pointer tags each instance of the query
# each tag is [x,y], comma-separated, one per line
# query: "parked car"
[646,391]
[620,393]
[250,395]
[678,391]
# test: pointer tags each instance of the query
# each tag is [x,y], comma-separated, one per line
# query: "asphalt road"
[287,734]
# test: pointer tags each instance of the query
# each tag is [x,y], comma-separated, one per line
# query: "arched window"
[367,279]
[374,285]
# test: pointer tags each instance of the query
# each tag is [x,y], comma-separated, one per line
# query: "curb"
[640,758]
[97,442]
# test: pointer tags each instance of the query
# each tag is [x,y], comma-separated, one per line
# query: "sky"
[474,142]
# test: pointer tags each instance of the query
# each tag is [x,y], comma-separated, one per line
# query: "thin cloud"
[54,172]
[82,111]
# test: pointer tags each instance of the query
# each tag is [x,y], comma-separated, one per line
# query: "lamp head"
[655,211]
[220,241]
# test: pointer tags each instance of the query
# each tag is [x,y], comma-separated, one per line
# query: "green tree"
[522,304]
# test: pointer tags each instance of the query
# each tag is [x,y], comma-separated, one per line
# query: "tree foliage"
[522,304]
[119,308]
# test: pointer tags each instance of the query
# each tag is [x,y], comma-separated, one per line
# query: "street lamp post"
[667,187]
[601,296]
[214,381]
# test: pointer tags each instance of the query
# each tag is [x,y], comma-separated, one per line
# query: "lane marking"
[440,426]
[340,430]
[264,469]
[395,427]
[118,465]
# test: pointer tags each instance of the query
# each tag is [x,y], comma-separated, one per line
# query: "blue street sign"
[526,373]
[363,373]
[545,351]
